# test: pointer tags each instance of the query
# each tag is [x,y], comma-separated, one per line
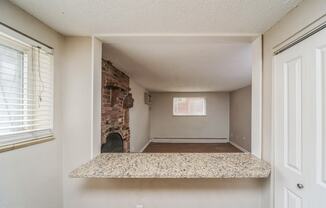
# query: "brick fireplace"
[116,101]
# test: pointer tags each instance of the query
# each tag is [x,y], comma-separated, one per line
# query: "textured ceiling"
[88,17]
[183,64]
[158,43]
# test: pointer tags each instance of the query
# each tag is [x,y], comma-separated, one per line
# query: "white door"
[299,124]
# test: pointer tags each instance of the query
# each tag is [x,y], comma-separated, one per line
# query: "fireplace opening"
[114,143]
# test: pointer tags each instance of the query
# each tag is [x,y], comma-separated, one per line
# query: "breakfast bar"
[173,165]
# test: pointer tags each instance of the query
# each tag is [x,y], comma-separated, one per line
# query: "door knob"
[300,186]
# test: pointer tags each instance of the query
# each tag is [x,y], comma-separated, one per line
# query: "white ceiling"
[183,64]
[88,17]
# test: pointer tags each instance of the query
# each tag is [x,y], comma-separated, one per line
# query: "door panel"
[319,168]
[292,200]
[321,115]
[288,85]
[292,115]
[299,124]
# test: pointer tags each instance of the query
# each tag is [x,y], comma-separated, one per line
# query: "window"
[25,91]
[189,106]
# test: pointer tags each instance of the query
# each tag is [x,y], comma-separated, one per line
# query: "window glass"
[189,106]
[25,91]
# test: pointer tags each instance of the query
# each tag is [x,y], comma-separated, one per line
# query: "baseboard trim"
[239,147]
[144,147]
[190,140]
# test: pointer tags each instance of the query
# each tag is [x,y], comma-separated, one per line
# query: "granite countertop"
[173,165]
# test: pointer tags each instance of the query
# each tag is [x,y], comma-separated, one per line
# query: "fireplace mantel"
[173,165]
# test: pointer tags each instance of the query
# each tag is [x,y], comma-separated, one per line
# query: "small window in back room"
[189,106]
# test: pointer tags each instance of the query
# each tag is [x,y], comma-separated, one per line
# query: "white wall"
[162,193]
[257,97]
[295,20]
[240,117]
[31,177]
[214,125]
[138,119]
[76,109]
[298,18]
[96,96]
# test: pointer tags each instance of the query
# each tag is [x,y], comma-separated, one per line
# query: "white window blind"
[189,106]
[26,91]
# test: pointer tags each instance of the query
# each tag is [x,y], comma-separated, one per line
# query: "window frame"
[189,115]
[21,43]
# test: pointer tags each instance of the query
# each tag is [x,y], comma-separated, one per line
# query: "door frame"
[257,96]
[307,31]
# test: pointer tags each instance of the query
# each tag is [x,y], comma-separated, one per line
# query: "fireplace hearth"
[114,143]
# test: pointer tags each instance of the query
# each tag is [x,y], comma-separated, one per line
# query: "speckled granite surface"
[173,165]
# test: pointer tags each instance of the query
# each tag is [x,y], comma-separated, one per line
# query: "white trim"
[272,188]
[301,35]
[14,35]
[96,77]
[319,98]
[225,35]
[28,136]
[190,140]
[25,143]
[15,137]
[256,105]
[92,97]
[147,143]
[174,106]
[238,146]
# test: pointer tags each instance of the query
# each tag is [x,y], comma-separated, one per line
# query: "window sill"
[25,143]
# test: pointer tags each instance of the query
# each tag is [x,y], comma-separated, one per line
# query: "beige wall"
[76,111]
[138,119]
[162,193]
[214,125]
[97,95]
[301,16]
[240,117]
[102,193]
[305,13]
[31,176]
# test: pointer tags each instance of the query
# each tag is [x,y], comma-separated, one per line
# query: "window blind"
[26,91]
